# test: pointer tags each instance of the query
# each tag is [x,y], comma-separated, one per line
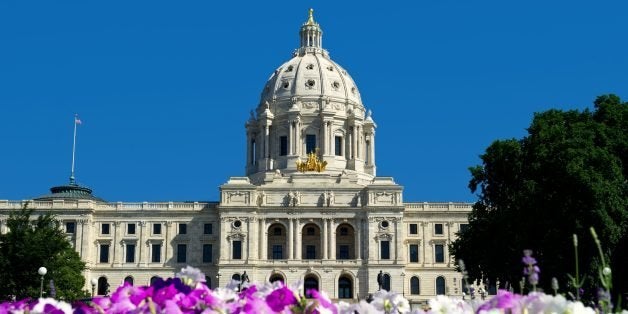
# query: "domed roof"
[71,191]
[311,72]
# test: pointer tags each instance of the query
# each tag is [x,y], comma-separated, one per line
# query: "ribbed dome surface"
[311,73]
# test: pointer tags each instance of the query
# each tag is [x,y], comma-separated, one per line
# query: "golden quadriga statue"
[312,163]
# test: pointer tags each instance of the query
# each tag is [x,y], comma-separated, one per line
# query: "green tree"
[30,244]
[568,174]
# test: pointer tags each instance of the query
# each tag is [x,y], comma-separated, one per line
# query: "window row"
[105,228]
[437,227]
[415,285]
[130,255]
[310,144]
[439,253]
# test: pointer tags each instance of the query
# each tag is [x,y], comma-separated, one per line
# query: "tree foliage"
[569,173]
[33,243]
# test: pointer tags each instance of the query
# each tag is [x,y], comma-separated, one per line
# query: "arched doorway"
[154,279]
[415,285]
[277,241]
[276,277]
[345,242]
[103,286]
[440,285]
[310,283]
[311,242]
[129,280]
[345,288]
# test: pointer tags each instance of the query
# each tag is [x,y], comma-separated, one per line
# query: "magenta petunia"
[280,298]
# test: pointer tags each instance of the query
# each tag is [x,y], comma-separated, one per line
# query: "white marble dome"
[311,73]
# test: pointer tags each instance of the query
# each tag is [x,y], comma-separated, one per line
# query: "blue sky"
[164,88]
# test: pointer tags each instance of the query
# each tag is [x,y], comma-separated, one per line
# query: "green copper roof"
[70,192]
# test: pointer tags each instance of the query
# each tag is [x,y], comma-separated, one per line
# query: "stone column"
[423,240]
[290,245]
[325,244]
[354,140]
[358,239]
[262,239]
[225,243]
[117,252]
[399,256]
[332,239]
[266,141]
[324,141]
[299,242]
[252,238]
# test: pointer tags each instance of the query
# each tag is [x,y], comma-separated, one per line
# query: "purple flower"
[503,300]
[280,298]
[530,270]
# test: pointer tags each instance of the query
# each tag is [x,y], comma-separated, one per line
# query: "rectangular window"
[385,249]
[104,253]
[414,253]
[130,228]
[414,229]
[338,145]
[70,227]
[439,253]
[464,227]
[207,253]
[277,251]
[310,143]
[183,228]
[207,229]
[156,253]
[438,228]
[343,252]
[283,145]
[104,228]
[310,252]
[130,253]
[182,253]
[237,250]
[156,228]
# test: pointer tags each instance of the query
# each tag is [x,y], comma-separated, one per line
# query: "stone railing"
[438,206]
[91,205]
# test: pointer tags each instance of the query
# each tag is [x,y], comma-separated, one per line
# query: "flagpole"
[73,149]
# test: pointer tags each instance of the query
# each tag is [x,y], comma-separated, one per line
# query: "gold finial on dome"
[310,19]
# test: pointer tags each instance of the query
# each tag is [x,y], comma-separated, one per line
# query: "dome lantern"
[311,34]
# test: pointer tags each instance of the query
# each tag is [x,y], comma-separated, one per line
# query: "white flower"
[390,302]
[606,271]
[41,304]
[443,304]
[191,276]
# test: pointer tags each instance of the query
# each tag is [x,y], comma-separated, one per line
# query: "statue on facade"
[293,198]
[330,198]
[380,280]
[261,198]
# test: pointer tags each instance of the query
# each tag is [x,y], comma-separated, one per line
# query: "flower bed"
[187,293]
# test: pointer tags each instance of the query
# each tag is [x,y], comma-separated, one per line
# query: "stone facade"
[334,229]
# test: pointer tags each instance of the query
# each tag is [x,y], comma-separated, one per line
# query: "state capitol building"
[311,207]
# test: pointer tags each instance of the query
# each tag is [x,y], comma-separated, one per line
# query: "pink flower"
[280,298]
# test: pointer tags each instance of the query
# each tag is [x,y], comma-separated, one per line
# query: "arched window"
[311,283]
[345,242]
[103,286]
[129,279]
[277,241]
[386,283]
[154,279]
[276,277]
[415,287]
[345,288]
[311,242]
[236,277]
[440,285]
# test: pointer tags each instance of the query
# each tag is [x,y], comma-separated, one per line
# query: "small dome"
[311,73]
[70,192]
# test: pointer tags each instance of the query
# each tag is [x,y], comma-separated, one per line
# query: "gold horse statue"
[312,163]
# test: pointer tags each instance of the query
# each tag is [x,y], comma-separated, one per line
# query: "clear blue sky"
[164,88]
